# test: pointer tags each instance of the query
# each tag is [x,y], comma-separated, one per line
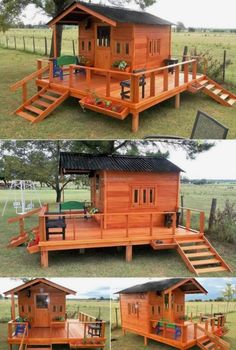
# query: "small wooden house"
[41,318]
[124,58]
[156,310]
[134,200]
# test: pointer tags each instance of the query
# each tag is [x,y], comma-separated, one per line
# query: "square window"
[42,301]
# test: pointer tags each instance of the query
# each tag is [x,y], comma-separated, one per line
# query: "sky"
[201,13]
[217,163]
[106,287]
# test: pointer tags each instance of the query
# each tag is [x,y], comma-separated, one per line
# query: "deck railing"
[86,321]
[101,222]
[38,74]
[12,326]
[186,219]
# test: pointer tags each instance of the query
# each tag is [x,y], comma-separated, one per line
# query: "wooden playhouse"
[134,201]
[41,319]
[156,311]
[123,66]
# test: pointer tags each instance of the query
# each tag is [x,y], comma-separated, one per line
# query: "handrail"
[197,210]
[188,218]
[107,214]
[23,216]
[77,66]
[23,338]
[33,75]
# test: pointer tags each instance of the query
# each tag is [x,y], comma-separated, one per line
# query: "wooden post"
[202,222]
[108,84]
[182,210]
[33,45]
[127,225]
[176,76]
[195,330]
[88,76]
[194,70]
[212,213]
[54,42]
[46,46]
[152,85]
[165,79]
[185,52]
[73,47]
[174,224]
[51,73]
[224,65]
[13,314]
[145,341]
[44,258]
[186,68]
[188,219]
[135,121]
[128,253]
[177,101]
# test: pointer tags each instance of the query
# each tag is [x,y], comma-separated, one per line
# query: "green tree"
[228,293]
[180,27]
[38,160]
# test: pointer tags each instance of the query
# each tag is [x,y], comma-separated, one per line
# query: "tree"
[38,160]
[228,293]
[180,27]
[10,11]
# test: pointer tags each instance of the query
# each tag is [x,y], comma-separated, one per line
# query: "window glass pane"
[118,48]
[89,46]
[41,301]
[151,196]
[167,301]
[82,44]
[103,36]
[97,182]
[127,48]
[144,196]
[136,195]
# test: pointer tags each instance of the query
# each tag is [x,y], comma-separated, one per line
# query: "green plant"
[224,226]
[82,60]
[120,64]
[59,318]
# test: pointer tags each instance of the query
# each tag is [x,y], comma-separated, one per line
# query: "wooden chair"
[127,84]
[58,223]
[61,61]
[205,127]
[95,329]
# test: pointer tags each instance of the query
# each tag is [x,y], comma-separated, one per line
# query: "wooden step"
[224,96]
[231,101]
[203,82]
[216,91]
[209,345]
[55,92]
[200,254]
[195,247]
[211,269]
[205,262]
[34,109]
[210,86]
[196,240]
[49,97]
[42,103]
[26,116]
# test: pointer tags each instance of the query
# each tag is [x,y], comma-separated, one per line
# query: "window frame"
[154,46]
[143,194]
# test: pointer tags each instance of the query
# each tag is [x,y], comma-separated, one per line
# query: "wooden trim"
[54,41]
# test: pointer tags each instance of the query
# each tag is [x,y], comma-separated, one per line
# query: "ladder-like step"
[48,97]
[210,86]
[42,103]
[199,254]
[26,116]
[218,93]
[196,240]
[33,109]
[224,96]
[211,269]
[194,247]
[203,82]
[204,262]
[231,101]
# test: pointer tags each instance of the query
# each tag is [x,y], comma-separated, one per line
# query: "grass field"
[107,262]
[90,307]
[69,121]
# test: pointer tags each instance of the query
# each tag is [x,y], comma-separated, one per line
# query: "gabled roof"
[37,281]
[108,14]
[187,285]
[73,163]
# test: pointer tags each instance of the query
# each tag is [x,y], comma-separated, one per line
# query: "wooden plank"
[216,91]
[186,71]
[152,84]
[177,70]
[205,262]
[211,269]
[224,96]
[231,101]
[42,103]
[129,253]
[195,247]
[210,86]
[203,82]
[200,254]
[166,79]
[33,109]
[48,97]
[26,116]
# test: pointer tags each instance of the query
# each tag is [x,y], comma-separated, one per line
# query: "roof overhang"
[76,13]
[37,281]
[188,286]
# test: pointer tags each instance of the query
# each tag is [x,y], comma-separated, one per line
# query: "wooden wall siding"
[119,197]
[143,34]
[138,324]
[123,33]
[87,35]
[56,298]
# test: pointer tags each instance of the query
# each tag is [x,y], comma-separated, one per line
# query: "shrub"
[224,225]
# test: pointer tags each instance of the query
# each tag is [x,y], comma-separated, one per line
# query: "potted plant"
[58,321]
[121,65]
[83,61]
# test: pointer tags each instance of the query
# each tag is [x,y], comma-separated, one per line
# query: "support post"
[13,314]
[212,213]
[182,210]
[135,121]
[54,42]
[129,253]
[224,66]
[145,341]
[44,258]
[177,101]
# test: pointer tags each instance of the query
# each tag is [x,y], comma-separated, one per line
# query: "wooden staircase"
[212,342]
[200,256]
[217,92]
[18,240]
[39,106]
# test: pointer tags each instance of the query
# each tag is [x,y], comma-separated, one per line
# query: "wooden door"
[103,47]
[42,315]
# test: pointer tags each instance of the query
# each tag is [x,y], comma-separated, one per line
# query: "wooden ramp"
[18,240]
[41,104]
[200,256]
[217,92]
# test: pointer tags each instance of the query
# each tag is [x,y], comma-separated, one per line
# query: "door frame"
[102,48]
[48,308]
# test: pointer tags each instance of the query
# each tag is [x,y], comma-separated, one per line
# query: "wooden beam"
[135,121]
[55,42]
[177,101]
[44,258]
[129,253]
[13,314]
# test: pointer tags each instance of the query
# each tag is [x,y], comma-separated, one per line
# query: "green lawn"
[69,121]
[90,307]
[108,262]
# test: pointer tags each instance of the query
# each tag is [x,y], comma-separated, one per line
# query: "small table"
[170,62]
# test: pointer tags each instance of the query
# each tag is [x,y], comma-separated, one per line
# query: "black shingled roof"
[155,286]
[70,162]
[120,14]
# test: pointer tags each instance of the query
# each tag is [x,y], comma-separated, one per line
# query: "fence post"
[23,38]
[73,47]
[7,41]
[224,65]
[117,322]
[185,52]
[212,213]
[33,45]
[15,41]
[46,46]
[182,210]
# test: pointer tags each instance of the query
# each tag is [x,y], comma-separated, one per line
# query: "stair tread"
[209,345]
[192,241]
[49,97]
[217,91]
[204,262]
[231,101]
[210,86]
[224,96]
[26,115]
[42,103]
[195,255]
[55,92]
[33,109]
[195,247]
[211,269]
[203,82]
